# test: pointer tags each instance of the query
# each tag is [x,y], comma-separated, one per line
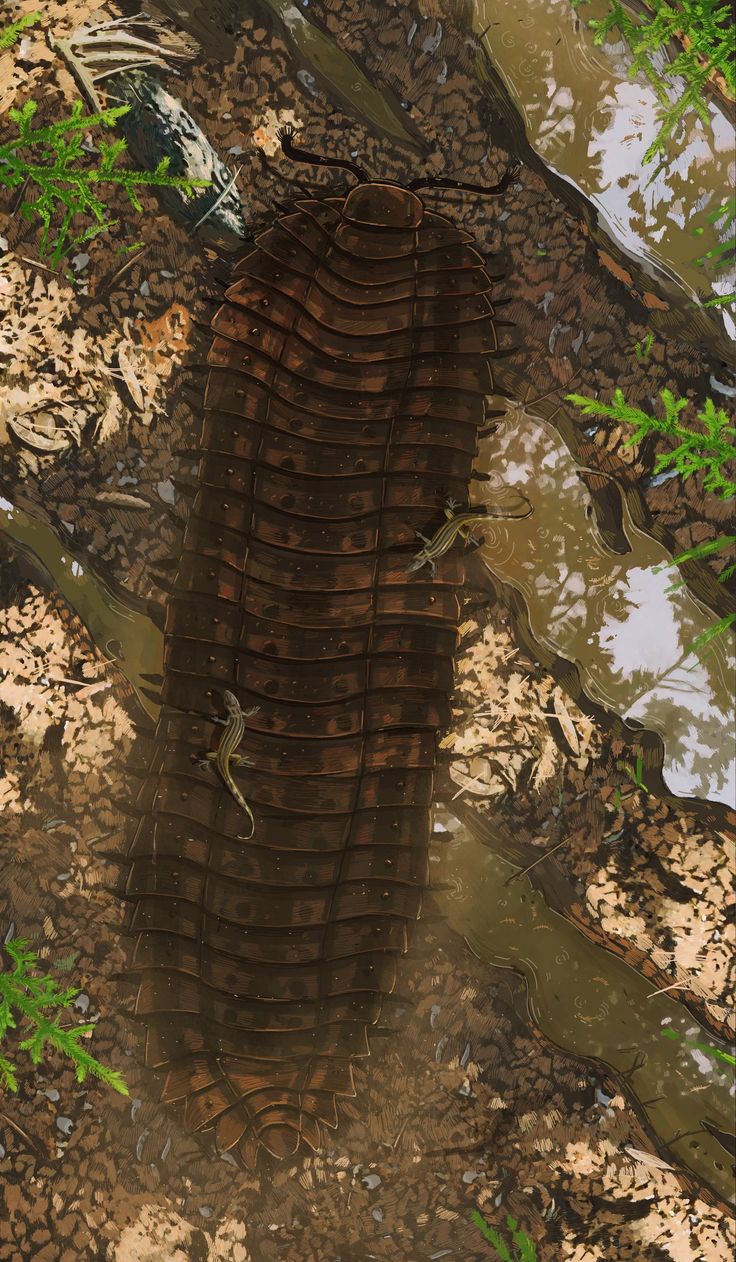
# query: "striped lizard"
[224,756]
[443,539]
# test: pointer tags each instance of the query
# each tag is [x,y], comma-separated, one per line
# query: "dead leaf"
[647,1158]
[121,499]
[569,731]
[470,784]
[130,379]
[36,439]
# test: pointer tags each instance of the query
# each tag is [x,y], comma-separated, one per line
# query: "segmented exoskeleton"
[348,373]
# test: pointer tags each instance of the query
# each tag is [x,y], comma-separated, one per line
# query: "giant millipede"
[346,388]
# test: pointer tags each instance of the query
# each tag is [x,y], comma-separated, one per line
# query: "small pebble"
[377,1214]
[371,1181]
[307,81]
[166,492]
[470,1176]
[82,1002]
[205,1211]
[51,1094]
[65,1125]
[145,288]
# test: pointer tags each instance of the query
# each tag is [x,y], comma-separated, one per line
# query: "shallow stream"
[591,124]
[587,1001]
[622,617]
[582,997]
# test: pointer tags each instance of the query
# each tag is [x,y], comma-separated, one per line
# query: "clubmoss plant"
[54,160]
[709,450]
[644,349]
[727,1057]
[37,1003]
[523,1248]
[703,30]
[722,220]
[635,773]
[9,35]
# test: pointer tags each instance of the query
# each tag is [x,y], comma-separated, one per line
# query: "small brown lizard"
[443,539]
[224,757]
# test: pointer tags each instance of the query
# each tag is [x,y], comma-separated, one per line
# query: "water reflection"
[593,1004]
[592,125]
[122,630]
[615,615]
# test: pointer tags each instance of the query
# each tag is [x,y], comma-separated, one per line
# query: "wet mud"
[470,1104]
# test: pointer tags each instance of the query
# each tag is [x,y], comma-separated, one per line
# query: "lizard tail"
[242,803]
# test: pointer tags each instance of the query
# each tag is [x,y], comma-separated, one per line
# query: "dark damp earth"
[464,1105]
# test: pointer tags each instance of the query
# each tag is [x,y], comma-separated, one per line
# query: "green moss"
[36,1002]
[10,35]
[708,449]
[523,1247]
[52,158]
[706,26]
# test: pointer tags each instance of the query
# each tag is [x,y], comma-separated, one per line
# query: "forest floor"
[464,1107]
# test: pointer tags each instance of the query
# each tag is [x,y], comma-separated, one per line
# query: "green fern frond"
[707,27]
[710,449]
[37,1000]
[723,300]
[10,35]
[52,158]
[524,1248]
[718,628]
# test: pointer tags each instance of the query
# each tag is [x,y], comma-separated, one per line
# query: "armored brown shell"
[348,373]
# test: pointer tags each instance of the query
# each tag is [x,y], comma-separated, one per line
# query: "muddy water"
[123,633]
[586,1000]
[592,125]
[582,997]
[614,615]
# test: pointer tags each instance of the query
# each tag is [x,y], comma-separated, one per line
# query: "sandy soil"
[462,1106]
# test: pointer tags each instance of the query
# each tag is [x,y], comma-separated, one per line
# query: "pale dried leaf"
[569,730]
[121,499]
[481,788]
[36,439]
[647,1158]
[130,379]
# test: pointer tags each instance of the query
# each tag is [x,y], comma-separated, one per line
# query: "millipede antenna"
[487,190]
[297,154]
